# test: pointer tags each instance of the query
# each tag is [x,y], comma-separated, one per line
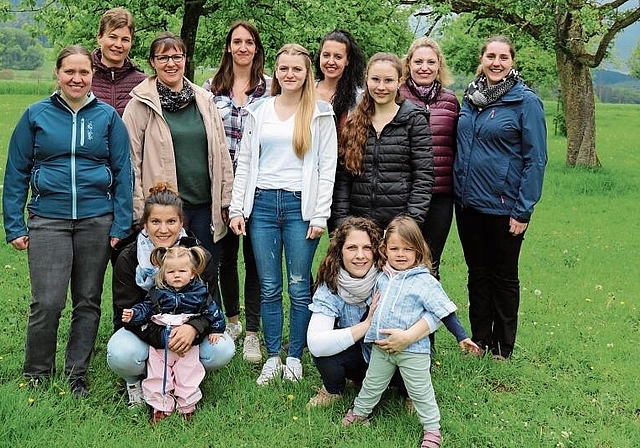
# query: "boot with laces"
[323,398]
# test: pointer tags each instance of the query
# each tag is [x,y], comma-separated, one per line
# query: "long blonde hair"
[444,75]
[307,104]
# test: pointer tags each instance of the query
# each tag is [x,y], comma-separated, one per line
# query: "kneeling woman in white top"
[284,184]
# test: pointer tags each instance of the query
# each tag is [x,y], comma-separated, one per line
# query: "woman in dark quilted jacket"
[426,75]
[385,159]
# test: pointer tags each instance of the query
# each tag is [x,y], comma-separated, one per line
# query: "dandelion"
[21,385]
[290,397]
[61,392]
[587,300]
[610,345]
[295,417]
[621,303]
[31,400]
[438,363]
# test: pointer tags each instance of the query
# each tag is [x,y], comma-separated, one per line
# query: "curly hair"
[407,229]
[222,82]
[329,268]
[352,144]
[353,75]
[194,257]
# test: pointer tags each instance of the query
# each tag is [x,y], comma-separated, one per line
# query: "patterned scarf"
[426,93]
[174,101]
[480,94]
[355,291]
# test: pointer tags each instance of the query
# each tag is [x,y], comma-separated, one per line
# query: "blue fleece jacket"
[77,165]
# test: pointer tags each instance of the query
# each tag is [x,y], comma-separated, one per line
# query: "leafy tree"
[19,51]
[579,32]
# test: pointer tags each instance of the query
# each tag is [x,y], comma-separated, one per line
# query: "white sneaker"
[136,397]
[251,349]
[271,370]
[293,369]
[234,330]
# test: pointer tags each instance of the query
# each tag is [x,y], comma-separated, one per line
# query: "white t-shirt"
[278,165]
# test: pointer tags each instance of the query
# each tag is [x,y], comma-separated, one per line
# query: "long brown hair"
[307,104]
[353,138]
[329,268]
[222,81]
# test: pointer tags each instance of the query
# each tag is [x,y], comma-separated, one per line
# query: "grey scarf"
[355,291]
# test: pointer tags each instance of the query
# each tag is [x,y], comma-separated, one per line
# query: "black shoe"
[79,388]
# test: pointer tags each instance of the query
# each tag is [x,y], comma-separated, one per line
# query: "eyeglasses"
[163,58]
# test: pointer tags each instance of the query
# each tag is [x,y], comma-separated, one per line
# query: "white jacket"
[318,165]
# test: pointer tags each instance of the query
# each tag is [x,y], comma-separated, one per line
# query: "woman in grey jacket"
[284,179]
[386,161]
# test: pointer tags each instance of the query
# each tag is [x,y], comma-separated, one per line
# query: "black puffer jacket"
[398,173]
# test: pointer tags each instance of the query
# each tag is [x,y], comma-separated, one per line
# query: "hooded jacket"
[318,164]
[404,299]
[398,172]
[192,299]
[113,84]
[502,153]
[443,120]
[76,164]
[152,152]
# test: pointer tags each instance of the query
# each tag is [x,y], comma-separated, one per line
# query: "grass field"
[573,380]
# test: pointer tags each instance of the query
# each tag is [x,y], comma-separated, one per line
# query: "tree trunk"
[580,112]
[193,9]
[577,92]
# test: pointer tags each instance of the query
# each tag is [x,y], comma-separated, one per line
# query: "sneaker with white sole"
[234,330]
[251,349]
[136,397]
[271,370]
[293,369]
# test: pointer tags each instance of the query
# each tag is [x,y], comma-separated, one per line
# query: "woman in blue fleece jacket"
[72,151]
[497,178]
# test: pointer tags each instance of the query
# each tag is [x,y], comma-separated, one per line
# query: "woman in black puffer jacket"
[385,158]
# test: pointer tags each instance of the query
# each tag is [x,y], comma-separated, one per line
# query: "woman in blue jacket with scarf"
[72,151]
[498,172]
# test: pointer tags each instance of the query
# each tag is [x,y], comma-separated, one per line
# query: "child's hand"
[127,315]
[214,338]
[467,345]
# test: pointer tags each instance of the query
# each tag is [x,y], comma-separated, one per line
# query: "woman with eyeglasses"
[177,137]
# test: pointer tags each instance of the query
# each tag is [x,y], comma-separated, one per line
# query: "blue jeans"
[276,223]
[127,354]
[65,253]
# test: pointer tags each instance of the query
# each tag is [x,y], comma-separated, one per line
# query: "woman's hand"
[237,225]
[467,345]
[181,338]
[517,227]
[314,232]
[21,243]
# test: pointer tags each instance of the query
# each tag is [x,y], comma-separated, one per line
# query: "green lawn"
[573,380]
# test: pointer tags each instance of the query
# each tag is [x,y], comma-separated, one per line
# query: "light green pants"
[414,368]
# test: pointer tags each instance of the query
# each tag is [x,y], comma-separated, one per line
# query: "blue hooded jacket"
[502,153]
[77,165]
